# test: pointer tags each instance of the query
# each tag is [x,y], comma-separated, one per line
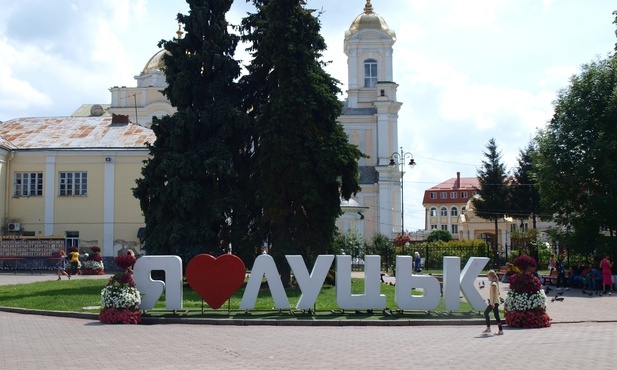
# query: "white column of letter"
[310,286]
[264,266]
[152,289]
[405,281]
[372,297]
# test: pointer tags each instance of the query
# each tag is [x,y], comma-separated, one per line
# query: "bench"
[552,278]
[549,279]
[502,271]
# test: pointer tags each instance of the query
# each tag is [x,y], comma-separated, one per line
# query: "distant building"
[444,203]
[448,206]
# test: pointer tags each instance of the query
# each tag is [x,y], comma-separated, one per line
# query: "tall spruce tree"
[190,192]
[492,203]
[525,197]
[304,160]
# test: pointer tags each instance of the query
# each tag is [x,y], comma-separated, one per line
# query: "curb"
[299,321]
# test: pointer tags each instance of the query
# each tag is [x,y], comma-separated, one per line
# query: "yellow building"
[72,177]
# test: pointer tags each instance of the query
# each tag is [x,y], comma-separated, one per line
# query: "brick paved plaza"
[583,335]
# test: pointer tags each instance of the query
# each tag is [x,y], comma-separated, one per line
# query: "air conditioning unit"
[14,226]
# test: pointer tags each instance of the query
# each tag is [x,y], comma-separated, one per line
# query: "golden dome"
[156,62]
[369,20]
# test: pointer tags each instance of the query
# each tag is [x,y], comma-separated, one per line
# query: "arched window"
[444,211]
[433,212]
[454,211]
[370,73]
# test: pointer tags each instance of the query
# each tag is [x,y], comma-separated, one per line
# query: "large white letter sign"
[454,281]
[405,282]
[152,289]
[468,282]
[451,283]
[310,285]
[371,299]
[264,266]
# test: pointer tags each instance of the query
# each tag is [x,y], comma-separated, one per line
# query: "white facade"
[370,118]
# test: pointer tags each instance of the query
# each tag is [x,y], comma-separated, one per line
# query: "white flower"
[523,301]
[93,265]
[120,297]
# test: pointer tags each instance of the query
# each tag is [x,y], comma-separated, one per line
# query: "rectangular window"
[464,195]
[370,73]
[454,229]
[444,227]
[73,183]
[474,193]
[443,195]
[433,227]
[453,195]
[433,195]
[28,184]
[72,239]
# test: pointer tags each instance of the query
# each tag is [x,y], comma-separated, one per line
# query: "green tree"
[435,235]
[492,203]
[576,160]
[305,163]
[190,191]
[524,194]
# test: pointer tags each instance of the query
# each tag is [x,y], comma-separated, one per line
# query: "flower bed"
[525,306]
[120,298]
[91,267]
[119,316]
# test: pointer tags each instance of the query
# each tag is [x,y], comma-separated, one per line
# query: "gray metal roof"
[72,133]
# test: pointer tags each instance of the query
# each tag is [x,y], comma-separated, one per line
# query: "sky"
[467,71]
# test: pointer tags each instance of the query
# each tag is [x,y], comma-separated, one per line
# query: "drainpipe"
[8,189]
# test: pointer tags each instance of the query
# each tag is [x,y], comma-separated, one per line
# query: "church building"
[71,178]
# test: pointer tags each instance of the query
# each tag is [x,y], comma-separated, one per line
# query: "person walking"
[493,303]
[61,266]
[607,274]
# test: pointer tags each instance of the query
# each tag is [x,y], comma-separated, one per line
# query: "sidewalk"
[576,306]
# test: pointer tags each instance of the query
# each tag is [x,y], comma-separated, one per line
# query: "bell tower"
[370,118]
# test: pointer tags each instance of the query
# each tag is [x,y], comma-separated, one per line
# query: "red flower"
[125,261]
[525,283]
[119,316]
[523,262]
[402,239]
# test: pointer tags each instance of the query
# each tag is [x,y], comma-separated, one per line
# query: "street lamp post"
[400,159]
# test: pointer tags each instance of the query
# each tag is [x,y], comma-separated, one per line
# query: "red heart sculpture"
[215,279]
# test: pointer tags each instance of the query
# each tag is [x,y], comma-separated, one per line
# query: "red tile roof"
[468,184]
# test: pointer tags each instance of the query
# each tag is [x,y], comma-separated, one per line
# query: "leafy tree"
[525,197]
[190,192]
[576,160]
[492,203]
[435,235]
[304,161]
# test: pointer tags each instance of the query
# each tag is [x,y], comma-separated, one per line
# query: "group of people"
[68,265]
[583,275]
[588,277]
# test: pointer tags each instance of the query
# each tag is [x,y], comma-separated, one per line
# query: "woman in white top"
[493,303]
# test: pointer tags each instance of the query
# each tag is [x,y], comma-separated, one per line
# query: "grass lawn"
[77,294]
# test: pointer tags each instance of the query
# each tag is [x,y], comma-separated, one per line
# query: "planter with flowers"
[402,239]
[525,306]
[120,298]
[93,265]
